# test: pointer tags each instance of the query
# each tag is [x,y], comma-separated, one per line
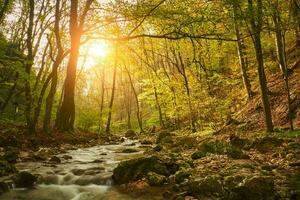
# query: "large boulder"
[6,168]
[236,153]
[267,143]
[164,136]
[135,169]
[11,154]
[54,160]
[257,187]
[155,179]
[208,187]
[130,134]
[24,179]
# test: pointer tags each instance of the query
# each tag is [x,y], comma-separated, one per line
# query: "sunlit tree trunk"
[138,113]
[66,116]
[281,55]
[242,54]
[102,101]
[39,102]
[54,74]
[181,69]
[111,103]
[256,24]
[160,115]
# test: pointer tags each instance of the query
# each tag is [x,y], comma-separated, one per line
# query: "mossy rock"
[11,154]
[267,143]
[136,169]
[24,179]
[294,185]
[198,155]
[182,175]
[210,186]
[186,142]
[231,182]
[212,146]
[257,187]
[129,150]
[158,148]
[155,179]
[146,142]
[6,168]
[241,143]
[130,133]
[236,153]
[293,146]
[163,134]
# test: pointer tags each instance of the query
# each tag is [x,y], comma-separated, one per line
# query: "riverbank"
[228,166]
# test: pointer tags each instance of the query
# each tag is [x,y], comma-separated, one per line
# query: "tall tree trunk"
[58,59]
[281,55]
[3,9]
[181,69]
[10,93]
[102,101]
[160,115]
[39,103]
[138,113]
[28,66]
[108,123]
[242,54]
[66,117]
[256,24]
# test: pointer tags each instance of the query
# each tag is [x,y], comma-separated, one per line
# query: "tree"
[28,66]
[112,97]
[255,16]
[66,116]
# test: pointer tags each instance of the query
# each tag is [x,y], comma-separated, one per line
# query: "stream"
[83,174]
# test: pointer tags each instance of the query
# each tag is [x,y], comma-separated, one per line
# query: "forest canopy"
[99,65]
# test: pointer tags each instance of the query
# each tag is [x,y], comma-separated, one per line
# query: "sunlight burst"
[98,50]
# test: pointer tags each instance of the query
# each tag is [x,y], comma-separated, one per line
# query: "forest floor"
[228,166]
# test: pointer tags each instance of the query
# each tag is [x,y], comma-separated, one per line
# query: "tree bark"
[281,55]
[28,66]
[138,113]
[256,24]
[39,103]
[66,117]
[58,59]
[181,69]
[242,55]
[3,9]
[102,101]
[108,123]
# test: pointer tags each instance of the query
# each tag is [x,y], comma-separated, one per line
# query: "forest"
[149,99]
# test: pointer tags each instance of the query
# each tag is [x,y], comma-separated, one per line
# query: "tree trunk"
[281,55]
[161,121]
[102,101]
[38,107]
[256,23]
[242,55]
[28,66]
[58,59]
[138,113]
[10,93]
[108,123]
[66,117]
[181,69]
[3,9]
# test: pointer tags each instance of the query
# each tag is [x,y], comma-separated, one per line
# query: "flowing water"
[83,174]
